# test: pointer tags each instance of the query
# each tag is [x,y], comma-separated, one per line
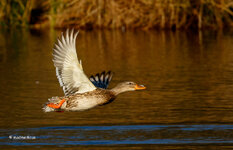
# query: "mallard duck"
[81,92]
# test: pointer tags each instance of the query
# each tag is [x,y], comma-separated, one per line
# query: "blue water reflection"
[119,134]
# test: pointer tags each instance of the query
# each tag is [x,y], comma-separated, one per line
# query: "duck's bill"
[140,87]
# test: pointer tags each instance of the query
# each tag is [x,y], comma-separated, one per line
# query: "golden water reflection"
[188,75]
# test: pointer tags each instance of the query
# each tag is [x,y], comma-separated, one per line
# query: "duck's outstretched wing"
[69,69]
[102,80]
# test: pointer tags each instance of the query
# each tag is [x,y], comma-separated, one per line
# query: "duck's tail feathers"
[46,108]
[102,80]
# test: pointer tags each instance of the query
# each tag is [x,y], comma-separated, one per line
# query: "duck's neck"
[119,89]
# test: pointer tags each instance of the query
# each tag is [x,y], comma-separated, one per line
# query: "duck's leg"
[56,106]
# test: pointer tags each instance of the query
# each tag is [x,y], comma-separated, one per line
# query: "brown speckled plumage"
[90,99]
[102,97]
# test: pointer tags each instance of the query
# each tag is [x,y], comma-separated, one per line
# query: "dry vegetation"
[145,14]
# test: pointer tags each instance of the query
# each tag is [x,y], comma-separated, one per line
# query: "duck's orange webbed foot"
[56,106]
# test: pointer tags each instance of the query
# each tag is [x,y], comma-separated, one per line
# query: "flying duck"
[81,92]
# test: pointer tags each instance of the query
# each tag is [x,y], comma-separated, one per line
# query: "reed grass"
[145,14]
[15,12]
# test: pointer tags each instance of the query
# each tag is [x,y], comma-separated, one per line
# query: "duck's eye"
[130,83]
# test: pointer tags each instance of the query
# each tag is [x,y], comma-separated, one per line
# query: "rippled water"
[189,96]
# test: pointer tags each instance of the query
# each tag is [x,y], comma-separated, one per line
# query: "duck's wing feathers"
[69,70]
[102,80]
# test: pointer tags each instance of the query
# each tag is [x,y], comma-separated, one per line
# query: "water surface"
[188,75]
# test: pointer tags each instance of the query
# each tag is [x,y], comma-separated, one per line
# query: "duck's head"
[127,86]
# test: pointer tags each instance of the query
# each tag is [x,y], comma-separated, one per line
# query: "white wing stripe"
[59,77]
[69,69]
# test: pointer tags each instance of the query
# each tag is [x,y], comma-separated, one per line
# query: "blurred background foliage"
[144,14]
